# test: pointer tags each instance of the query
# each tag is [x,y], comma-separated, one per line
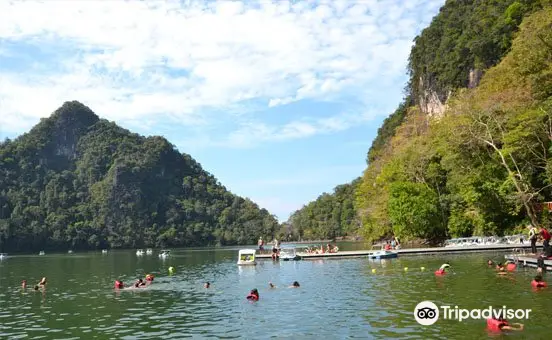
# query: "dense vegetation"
[466,35]
[76,181]
[328,217]
[484,167]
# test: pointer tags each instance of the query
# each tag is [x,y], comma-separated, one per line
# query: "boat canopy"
[247,255]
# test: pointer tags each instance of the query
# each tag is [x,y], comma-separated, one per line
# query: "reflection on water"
[338,298]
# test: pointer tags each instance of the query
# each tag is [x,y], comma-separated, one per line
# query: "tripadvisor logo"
[427,313]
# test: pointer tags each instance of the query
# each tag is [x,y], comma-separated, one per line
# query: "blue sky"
[279,100]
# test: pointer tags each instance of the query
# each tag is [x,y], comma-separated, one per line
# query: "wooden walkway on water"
[528,260]
[409,251]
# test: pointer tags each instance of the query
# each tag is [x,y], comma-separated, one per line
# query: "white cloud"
[139,59]
[253,132]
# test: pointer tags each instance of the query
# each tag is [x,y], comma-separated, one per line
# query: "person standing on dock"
[533,238]
[275,249]
[546,241]
[260,243]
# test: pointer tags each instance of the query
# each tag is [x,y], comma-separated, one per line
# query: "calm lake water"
[338,298]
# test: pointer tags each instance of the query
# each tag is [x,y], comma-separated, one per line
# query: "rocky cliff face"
[434,103]
[431,102]
[474,78]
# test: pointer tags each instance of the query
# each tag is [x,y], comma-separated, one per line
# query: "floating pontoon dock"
[528,260]
[411,251]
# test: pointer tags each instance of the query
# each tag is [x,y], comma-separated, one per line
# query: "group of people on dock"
[542,234]
[392,245]
[321,250]
[275,247]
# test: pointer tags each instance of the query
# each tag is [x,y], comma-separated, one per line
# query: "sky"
[278,100]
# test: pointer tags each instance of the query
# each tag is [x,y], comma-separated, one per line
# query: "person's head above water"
[253,295]
[271,285]
[207,284]
[444,266]
[499,316]
[538,278]
[295,284]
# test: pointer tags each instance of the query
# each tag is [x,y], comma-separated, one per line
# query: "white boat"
[3,256]
[475,241]
[289,254]
[139,252]
[246,257]
[164,254]
[383,254]
[104,251]
[42,252]
[149,251]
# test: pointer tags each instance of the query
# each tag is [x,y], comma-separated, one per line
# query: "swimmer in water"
[295,284]
[442,269]
[149,279]
[271,285]
[24,284]
[207,284]
[538,282]
[119,284]
[498,323]
[139,283]
[253,295]
[490,262]
[41,284]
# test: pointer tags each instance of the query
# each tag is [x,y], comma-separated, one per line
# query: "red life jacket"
[494,324]
[540,284]
[511,267]
[253,297]
[440,272]
[545,234]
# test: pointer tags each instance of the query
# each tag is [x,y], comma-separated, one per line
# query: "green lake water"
[338,298]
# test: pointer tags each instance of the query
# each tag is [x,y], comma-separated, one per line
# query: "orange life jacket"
[539,284]
[494,324]
[253,297]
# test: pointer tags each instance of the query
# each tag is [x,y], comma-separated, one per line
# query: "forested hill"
[76,181]
[329,216]
[467,151]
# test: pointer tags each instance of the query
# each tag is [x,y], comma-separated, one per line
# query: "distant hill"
[80,182]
